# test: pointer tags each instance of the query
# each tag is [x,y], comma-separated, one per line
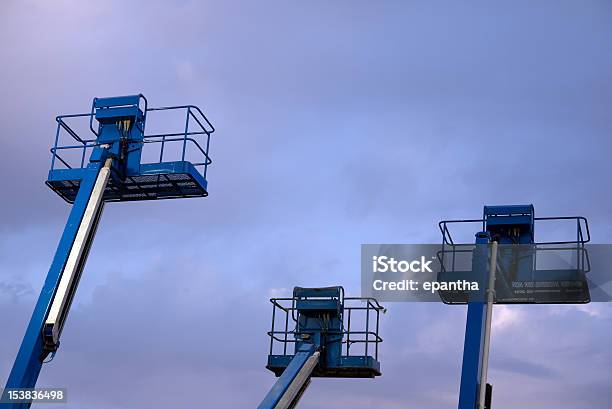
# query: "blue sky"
[339,123]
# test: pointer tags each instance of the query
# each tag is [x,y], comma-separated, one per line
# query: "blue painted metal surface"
[32,352]
[515,225]
[120,136]
[155,165]
[506,225]
[471,368]
[509,225]
[318,320]
[288,376]
[346,326]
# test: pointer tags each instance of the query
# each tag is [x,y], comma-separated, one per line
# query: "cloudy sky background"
[339,123]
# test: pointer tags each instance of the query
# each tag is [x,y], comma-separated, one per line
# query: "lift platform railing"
[583,234]
[451,256]
[316,340]
[453,250]
[192,136]
[456,257]
[115,170]
[284,310]
[501,254]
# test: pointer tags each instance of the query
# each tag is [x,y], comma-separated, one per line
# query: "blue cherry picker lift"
[317,321]
[505,256]
[114,171]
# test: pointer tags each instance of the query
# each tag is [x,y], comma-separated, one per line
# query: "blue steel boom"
[318,322]
[114,172]
[506,244]
[322,336]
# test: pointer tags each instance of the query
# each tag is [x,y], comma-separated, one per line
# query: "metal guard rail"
[583,236]
[193,114]
[580,238]
[366,336]
[583,263]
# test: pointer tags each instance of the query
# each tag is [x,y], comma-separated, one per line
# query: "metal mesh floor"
[143,187]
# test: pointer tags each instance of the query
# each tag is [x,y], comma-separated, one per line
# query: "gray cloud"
[338,123]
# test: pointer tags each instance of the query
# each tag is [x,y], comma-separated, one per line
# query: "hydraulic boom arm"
[43,332]
[290,386]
